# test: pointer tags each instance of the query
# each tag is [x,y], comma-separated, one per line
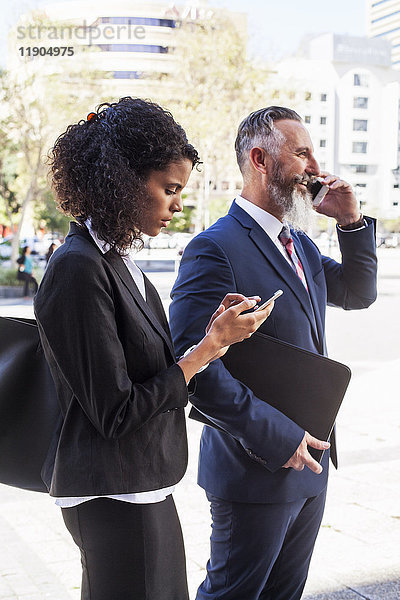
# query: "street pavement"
[357,552]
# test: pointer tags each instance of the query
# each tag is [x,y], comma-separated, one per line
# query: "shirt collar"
[103,246]
[271,225]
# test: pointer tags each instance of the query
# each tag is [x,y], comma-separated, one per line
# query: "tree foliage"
[38,102]
[214,87]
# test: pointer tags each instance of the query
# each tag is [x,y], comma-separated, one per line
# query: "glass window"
[360,102]
[360,125]
[361,79]
[322,143]
[307,119]
[138,21]
[133,48]
[308,96]
[322,121]
[127,74]
[360,147]
[360,168]
[323,97]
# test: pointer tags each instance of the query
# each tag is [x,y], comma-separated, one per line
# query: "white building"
[131,42]
[348,94]
[383,21]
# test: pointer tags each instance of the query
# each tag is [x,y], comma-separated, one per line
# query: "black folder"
[307,387]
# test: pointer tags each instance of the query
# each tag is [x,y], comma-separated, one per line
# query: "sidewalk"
[357,551]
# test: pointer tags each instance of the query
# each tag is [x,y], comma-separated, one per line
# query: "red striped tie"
[287,242]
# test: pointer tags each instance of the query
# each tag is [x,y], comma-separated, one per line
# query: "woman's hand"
[226,326]
[227,302]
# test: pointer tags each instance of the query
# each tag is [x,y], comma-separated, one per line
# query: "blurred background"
[211,63]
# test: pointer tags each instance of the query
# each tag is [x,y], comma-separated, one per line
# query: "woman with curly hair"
[121,443]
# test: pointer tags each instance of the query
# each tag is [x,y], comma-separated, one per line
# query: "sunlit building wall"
[348,94]
[131,42]
[383,21]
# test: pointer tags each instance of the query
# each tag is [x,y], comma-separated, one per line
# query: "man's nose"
[312,167]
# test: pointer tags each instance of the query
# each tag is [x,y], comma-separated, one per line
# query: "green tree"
[214,87]
[38,100]
[182,222]
[45,211]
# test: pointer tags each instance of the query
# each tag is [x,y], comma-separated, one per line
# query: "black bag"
[29,409]
[21,268]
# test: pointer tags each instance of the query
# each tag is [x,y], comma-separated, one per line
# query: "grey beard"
[295,205]
[301,212]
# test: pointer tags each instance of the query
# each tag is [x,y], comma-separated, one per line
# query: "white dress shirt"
[271,225]
[140,497]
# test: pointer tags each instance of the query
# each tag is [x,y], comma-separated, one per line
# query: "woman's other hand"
[228,325]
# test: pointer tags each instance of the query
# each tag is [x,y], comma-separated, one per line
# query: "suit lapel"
[153,311]
[264,243]
[154,301]
[152,316]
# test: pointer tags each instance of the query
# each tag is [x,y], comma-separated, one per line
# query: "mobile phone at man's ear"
[317,190]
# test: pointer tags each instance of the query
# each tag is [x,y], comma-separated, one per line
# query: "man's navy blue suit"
[244,465]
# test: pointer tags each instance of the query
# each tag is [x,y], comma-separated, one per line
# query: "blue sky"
[275,26]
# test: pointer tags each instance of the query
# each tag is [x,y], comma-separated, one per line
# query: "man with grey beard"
[267,493]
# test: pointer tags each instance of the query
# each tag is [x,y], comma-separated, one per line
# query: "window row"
[138,21]
[358,124]
[322,97]
[322,120]
[358,148]
[133,48]
[276,94]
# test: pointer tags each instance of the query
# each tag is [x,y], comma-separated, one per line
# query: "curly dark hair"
[99,166]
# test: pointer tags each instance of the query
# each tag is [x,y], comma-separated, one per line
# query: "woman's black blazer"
[112,360]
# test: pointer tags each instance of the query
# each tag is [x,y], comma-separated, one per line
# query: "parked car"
[39,246]
[161,241]
[5,247]
[388,240]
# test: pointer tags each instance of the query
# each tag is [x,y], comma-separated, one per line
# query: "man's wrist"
[351,223]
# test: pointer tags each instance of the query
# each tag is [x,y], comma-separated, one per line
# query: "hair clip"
[92,117]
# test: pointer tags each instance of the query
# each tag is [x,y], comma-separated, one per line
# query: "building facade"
[129,43]
[383,21]
[348,94]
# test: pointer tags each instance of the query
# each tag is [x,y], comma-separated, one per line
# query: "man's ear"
[259,159]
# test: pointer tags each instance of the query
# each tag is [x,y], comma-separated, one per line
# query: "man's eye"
[170,192]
